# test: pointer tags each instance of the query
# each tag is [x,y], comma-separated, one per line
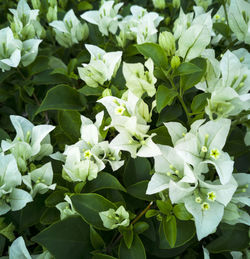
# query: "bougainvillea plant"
[124,129]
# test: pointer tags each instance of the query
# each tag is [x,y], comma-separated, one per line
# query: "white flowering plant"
[124,129]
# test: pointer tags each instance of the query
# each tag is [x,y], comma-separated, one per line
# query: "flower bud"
[52,14]
[159,4]
[176,4]
[52,3]
[175,62]
[28,32]
[167,42]
[36,4]
[21,164]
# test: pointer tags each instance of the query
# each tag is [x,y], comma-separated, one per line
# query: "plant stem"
[180,99]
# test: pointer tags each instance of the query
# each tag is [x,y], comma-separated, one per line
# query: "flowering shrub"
[125,129]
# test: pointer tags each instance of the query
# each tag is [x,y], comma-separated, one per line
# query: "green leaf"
[169,113]
[70,123]
[222,28]
[103,181]
[84,5]
[54,198]
[89,205]
[62,97]
[170,229]
[140,227]
[136,170]
[188,81]
[102,256]
[181,212]
[155,52]
[3,135]
[233,238]
[185,232]
[65,239]
[151,213]
[128,236]
[186,68]
[164,206]
[138,190]
[136,251]
[96,240]
[49,216]
[162,136]
[164,97]
[199,102]
[88,91]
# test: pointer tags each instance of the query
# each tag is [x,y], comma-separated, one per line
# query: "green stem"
[180,100]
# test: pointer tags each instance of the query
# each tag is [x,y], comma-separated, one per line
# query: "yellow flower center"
[215,153]
[205,206]
[211,196]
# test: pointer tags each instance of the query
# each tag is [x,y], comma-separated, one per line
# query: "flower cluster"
[20,42]
[17,159]
[198,173]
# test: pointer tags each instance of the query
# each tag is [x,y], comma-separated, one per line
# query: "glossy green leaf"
[140,227]
[65,239]
[164,97]
[232,238]
[62,97]
[89,205]
[103,181]
[187,68]
[181,212]
[128,236]
[96,240]
[189,80]
[70,123]
[199,102]
[136,250]
[136,170]
[164,206]
[170,229]
[155,52]
[138,190]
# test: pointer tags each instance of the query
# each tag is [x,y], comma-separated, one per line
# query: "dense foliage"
[125,129]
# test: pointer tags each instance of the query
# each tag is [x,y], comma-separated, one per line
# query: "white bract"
[233,212]
[18,249]
[102,66]
[129,118]
[29,51]
[11,198]
[40,180]
[204,143]
[66,208]
[10,50]
[106,18]
[229,87]
[115,218]
[139,81]
[195,39]
[88,156]
[31,142]
[70,31]
[25,23]
[140,26]
[239,19]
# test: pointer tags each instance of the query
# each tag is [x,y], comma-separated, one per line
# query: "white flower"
[70,31]
[31,142]
[114,218]
[209,137]
[25,23]
[139,81]
[40,180]
[102,67]
[209,210]
[11,198]
[106,18]
[66,208]
[10,50]
[29,51]
[239,19]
